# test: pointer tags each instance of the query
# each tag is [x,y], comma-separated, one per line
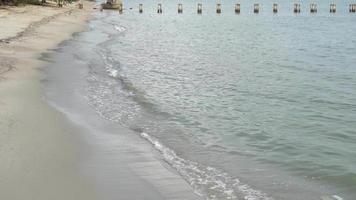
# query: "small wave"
[113,72]
[120,28]
[205,180]
[333,197]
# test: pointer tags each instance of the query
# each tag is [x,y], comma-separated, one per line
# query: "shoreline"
[121,162]
[38,146]
[44,153]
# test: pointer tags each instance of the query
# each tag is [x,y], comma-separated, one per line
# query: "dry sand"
[38,154]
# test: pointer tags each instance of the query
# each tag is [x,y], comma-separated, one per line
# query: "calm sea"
[243,106]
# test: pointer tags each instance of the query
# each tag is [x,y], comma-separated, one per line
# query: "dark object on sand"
[112,4]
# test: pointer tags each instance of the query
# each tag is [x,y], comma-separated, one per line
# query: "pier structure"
[275,8]
[313,8]
[218,8]
[180,8]
[237,8]
[256,8]
[332,8]
[121,8]
[159,8]
[199,8]
[140,8]
[296,8]
[352,8]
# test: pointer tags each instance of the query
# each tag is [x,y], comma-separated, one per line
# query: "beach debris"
[113,5]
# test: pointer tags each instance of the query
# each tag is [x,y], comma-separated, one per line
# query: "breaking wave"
[205,180]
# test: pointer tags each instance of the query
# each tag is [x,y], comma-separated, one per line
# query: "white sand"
[38,154]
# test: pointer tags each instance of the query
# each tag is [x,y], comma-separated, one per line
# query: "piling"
[352,8]
[180,8]
[140,8]
[296,8]
[237,8]
[159,8]
[218,8]
[256,8]
[120,8]
[200,8]
[275,8]
[332,8]
[313,8]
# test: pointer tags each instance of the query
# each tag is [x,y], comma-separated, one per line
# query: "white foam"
[120,28]
[337,197]
[113,72]
[205,180]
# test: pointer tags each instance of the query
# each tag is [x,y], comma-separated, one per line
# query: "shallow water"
[242,106]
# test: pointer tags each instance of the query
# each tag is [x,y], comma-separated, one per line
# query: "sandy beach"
[43,155]
[37,145]
[108,105]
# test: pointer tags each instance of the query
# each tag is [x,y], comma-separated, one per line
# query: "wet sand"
[120,163]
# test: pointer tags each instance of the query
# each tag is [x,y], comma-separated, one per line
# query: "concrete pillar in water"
[313,8]
[159,8]
[218,8]
[332,8]
[296,8]
[200,8]
[352,8]
[275,8]
[237,8]
[140,8]
[180,8]
[256,8]
[120,8]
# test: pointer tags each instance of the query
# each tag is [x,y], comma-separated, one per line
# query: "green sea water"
[249,106]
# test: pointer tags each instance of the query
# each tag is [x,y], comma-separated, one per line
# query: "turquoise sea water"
[242,106]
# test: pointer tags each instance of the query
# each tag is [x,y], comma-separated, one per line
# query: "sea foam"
[205,180]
